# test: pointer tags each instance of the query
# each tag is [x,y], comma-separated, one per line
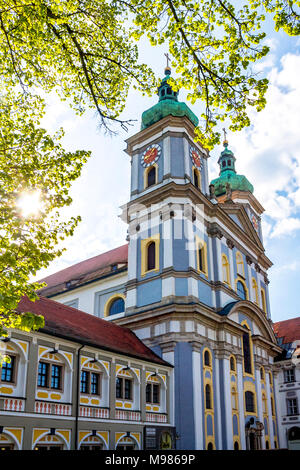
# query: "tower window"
[169,91]
[117,306]
[162,92]
[197,178]
[7,374]
[228,162]
[249,399]
[151,256]
[223,163]
[207,359]
[247,353]
[241,290]
[151,176]
[226,271]
[208,397]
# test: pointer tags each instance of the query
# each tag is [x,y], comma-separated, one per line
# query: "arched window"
[208,397]
[226,270]
[247,352]
[249,402]
[201,248]
[240,264]
[267,445]
[272,406]
[210,446]
[262,374]
[151,256]
[234,399]
[255,291]
[241,290]
[236,446]
[264,402]
[117,306]
[151,176]
[263,300]
[232,364]
[207,360]
[197,178]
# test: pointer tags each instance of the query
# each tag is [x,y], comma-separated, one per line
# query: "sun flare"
[30,203]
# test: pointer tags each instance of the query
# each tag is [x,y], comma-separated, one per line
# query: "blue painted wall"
[184,400]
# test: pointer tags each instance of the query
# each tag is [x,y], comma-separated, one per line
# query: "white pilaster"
[270,412]
[232,280]
[251,297]
[132,257]
[169,357]
[167,240]
[228,408]
[198,411]
[259,402]
[167,155]
[211,265]
[134,172]
[241,404]
[168,286]
[218,424]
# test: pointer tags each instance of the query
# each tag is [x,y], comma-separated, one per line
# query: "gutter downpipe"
[77,396]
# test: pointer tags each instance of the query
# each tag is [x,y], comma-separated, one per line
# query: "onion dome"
[168,104]
[229,175]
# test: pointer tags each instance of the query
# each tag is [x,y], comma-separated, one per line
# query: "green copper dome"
[167,104]
[228,174]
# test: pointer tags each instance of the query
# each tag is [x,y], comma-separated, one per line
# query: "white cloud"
[268,152]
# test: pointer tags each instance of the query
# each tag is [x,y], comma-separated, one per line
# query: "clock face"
[195,157]
[150,155]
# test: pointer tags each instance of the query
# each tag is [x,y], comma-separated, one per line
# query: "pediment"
[239,216]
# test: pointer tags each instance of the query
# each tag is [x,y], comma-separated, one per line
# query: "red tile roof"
[75,325]
[85,271]
[288,330]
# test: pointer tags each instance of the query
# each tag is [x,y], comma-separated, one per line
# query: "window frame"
[144,254]
[147,171]
[255,291]
[246,393]
[197,172]
[226,266]
[239,256]
[286,371]
[152,402]
[89,382]
[123,379]
[263,300]
[201,247]
[289,406]
[241,280]
[14,373]
[49,375]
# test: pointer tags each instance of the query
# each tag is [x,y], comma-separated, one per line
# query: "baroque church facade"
[191,284]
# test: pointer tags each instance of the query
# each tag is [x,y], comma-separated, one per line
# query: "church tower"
[197,287]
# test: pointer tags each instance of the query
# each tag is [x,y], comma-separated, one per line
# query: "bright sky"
[268,153]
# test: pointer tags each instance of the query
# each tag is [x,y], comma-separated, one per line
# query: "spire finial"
[225,142]
[167,69]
